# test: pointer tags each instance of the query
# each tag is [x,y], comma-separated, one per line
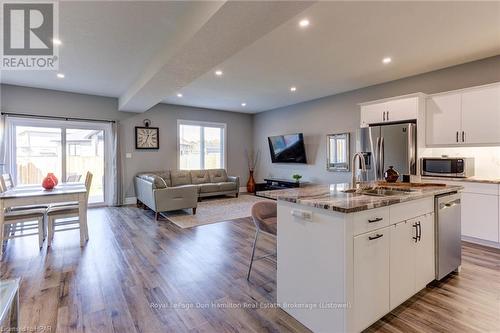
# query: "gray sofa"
[164,191]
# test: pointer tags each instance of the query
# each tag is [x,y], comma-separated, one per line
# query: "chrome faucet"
[362,164]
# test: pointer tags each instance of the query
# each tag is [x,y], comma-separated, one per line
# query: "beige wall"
[55,103]
[339,113]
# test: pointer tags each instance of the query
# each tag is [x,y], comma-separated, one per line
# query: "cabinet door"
[402,262]
[480,216]
[372,114]
[402,109]
[443,119]
[481,115]
[371,277]
[425,259]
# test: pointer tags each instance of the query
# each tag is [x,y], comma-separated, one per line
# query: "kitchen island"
[344,260]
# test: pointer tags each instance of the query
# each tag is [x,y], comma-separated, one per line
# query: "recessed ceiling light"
[56,41]
[179,95]
[304,23]
[292,89]
[387,60]
[60,75]
[243,104]
[218,72]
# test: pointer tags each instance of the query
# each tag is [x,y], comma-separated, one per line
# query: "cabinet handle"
[457,136]
[415,238]
[419,231]
[387,115]
[378,219]
[384,115]
[463,136]
[375,237]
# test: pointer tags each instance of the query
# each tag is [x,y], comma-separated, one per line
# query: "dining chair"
[73,178]
[67,217]
[30,218]
[6,183]
[264,216]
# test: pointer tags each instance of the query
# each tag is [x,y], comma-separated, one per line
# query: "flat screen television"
[287,148]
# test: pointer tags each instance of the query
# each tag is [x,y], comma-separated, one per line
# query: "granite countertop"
[332,197]
[469,179]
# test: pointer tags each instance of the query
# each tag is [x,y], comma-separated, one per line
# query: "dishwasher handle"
[445,205]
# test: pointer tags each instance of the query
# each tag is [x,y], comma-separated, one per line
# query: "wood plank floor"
[139,275]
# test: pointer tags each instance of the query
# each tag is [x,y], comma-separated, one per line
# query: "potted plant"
[297,177]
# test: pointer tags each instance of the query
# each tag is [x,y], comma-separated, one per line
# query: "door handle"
[457,136]
[419,231]
[375,237]
[463,136]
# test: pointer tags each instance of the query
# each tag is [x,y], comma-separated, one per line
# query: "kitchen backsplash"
[487,159]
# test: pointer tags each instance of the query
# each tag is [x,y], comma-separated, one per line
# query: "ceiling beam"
[218,31]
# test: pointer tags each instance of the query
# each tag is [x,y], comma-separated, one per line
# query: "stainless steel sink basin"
[382,192]
[351,190]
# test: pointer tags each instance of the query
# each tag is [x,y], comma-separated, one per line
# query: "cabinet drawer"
[411,209]
[369,220]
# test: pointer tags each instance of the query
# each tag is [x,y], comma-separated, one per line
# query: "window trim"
[222,126]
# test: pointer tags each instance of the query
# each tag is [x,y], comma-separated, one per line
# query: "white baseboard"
[243,189]
[481,242]
[130,201]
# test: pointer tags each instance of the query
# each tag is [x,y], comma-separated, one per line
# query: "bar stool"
[264,216]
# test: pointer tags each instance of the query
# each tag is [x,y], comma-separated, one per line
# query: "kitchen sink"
[382,192]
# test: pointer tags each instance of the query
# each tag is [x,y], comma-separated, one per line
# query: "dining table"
[37,195]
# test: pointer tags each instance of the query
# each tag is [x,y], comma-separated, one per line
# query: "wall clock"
[147,137]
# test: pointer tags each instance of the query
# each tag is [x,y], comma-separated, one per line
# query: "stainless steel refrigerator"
[388,145]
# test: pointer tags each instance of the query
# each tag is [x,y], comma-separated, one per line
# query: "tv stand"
[278,184]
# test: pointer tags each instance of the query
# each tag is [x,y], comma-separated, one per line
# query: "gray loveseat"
[164,191]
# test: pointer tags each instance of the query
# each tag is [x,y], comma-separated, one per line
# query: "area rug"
[213,210]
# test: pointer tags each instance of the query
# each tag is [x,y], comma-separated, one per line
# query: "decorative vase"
[251,183]
[54,178]
[391,175]
[48,183]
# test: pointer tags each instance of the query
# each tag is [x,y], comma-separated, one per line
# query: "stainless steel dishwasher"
[448,234]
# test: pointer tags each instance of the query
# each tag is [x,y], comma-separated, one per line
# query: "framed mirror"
[337,152]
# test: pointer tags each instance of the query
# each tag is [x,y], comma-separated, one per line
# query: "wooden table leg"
[82,215]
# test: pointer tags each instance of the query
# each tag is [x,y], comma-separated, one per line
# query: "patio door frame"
[64,125]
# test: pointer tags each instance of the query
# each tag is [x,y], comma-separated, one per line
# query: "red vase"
[48,183]
[54,178]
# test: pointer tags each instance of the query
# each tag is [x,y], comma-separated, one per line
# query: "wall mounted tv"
[287,148]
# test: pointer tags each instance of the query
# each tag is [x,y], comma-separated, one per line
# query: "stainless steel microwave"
[459,167]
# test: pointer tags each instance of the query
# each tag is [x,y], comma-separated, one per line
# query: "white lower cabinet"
[480,216]
[371,277]
[402,264]
[412,257]
[425,260]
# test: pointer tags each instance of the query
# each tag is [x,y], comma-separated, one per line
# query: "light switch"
[128,155]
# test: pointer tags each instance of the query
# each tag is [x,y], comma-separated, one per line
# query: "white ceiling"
[146,52]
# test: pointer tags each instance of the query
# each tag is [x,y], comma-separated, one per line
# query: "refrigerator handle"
[382,157]
[412,168]
[376,153]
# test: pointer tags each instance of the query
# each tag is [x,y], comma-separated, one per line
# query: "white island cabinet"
[340,272]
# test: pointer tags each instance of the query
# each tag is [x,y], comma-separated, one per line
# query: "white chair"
[30,218]
[66,217]
[6,183]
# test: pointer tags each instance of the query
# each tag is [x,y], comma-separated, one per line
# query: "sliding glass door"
[67,149]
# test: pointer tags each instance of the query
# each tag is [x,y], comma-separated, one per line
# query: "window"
[67,149]
[201,145]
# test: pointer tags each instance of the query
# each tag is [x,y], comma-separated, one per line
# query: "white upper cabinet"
[466,117]
[387,111]
[481,115]
[443,119]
